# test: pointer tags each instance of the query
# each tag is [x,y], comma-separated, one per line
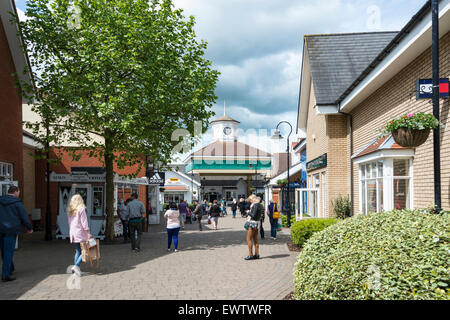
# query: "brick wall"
[392,100]
[338,159]
[29,169]
[11,112]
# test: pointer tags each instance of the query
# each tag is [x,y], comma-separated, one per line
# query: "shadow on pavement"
[37,259]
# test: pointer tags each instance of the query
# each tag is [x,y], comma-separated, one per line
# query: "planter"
[410,138]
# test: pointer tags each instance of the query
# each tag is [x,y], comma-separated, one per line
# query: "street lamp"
[277,136]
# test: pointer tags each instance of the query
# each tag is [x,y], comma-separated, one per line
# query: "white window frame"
[387,156]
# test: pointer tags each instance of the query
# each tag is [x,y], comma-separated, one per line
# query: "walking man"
[241,207]
[198,213]
[13,221]
[136,214]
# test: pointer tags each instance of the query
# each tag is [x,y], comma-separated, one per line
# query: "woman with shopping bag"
[79,229]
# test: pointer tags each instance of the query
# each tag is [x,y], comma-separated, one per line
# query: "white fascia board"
[231,158]
[305,91]
[294,170]
[325,110]
[187,177]
[31,142]
[301,146]
[379,155]
[413,45]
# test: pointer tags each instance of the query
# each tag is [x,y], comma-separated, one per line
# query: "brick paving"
[209,266]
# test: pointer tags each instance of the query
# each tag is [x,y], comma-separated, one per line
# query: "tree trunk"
[109,165]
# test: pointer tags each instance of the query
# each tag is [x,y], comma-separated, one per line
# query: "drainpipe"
[351,161]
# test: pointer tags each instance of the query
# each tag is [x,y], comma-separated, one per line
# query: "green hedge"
[390,255]
[304,229]
[284,220]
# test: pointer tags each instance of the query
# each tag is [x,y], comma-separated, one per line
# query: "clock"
[227,131]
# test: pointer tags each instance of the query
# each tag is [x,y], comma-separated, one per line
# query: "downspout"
[351,161]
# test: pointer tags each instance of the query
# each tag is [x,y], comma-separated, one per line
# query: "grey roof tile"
[338,59]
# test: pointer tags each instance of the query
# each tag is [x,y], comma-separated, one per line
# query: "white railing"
[307,204]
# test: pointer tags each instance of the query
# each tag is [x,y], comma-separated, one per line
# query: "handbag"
[247,225]
[276,214]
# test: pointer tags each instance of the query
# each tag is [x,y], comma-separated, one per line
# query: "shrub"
[415,121]
[304,229]
[390,255]
[342,207]
[284,220]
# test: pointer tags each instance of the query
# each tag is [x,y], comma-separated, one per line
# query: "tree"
[116,77]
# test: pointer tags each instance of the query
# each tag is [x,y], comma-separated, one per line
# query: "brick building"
[352,84]
[12,60]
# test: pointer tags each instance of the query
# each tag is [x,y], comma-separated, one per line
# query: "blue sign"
[424,88]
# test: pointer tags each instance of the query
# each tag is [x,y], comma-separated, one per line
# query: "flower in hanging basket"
[411,130]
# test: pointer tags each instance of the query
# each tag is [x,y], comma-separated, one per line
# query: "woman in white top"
[173,225]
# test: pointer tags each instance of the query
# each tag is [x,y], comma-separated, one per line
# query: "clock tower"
[225,129]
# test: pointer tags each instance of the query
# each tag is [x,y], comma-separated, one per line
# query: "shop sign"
[77,177]
[317,163]
[156,178]
[424,88]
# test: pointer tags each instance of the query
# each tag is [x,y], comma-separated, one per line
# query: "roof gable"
[336,60]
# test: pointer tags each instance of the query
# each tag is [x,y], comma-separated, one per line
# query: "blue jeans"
[78,258]
[172,233]
[125,229]
[234,213]
[273,227]
[8,246]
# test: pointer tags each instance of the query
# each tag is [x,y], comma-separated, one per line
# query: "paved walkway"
[209,266]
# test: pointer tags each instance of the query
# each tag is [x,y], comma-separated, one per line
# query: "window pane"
[380,194]
[401,194]
[368,172]
[401,167]
[380,169]
[363,196]
[374,170]
[372,196]
[363,172]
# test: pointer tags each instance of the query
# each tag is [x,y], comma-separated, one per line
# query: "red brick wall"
[11,112]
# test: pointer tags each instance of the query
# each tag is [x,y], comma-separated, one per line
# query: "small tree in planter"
[411,130]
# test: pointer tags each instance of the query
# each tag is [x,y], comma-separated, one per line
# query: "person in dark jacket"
[214,213]
[254,219]
[241,206]
[13,221]
[273,222]
[234,207]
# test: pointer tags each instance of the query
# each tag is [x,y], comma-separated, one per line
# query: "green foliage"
[389,255]
[117,77]
[416,121]
[284,220]
[302,230]
[282,182]
[342,207]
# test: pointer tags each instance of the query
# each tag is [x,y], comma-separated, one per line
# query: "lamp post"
[277,136]
[436,132]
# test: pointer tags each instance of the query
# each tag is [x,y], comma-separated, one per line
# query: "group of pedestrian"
[132,214]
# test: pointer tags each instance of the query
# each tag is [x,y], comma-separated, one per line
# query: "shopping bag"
[90,251]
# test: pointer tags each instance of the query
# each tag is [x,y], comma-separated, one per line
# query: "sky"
[257,46]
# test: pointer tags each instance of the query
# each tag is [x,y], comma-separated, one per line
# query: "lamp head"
[277,135]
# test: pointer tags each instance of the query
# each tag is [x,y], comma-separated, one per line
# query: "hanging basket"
[410,138]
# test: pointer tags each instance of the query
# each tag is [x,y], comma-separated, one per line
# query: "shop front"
[90,184]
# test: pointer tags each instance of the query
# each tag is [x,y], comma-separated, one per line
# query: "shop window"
[173,197]
[98,201]
[6,171]
[385,185]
